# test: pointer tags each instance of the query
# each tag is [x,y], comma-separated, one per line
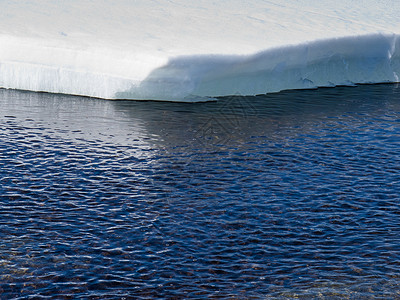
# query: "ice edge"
[373,58]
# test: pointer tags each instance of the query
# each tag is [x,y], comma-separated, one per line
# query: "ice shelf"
[196,50]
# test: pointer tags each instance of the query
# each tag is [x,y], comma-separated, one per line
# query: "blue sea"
[293,195]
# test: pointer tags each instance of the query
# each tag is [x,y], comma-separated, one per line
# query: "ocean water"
[293,195]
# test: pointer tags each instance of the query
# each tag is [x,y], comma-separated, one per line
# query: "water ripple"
[292,195]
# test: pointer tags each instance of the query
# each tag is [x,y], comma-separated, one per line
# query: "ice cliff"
[195,50]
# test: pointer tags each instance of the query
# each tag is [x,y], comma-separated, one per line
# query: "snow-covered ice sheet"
[195,50]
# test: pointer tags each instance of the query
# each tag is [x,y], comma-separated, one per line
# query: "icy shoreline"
[260,48]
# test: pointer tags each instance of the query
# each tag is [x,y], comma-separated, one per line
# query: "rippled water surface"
[291,195]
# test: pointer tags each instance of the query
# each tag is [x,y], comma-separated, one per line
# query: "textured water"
[291,195]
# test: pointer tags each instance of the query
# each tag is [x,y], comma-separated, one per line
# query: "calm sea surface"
[290,195]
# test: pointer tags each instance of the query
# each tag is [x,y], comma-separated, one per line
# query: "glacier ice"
[194,51]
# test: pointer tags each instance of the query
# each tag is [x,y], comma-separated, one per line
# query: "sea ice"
[195,50]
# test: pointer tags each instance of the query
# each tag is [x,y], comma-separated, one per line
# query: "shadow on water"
[232,121]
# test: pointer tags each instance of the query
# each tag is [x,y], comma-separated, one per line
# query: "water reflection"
[73,119]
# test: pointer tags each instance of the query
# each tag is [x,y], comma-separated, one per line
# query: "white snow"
[195,50]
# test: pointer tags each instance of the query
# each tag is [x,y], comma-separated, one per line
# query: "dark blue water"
[291,195]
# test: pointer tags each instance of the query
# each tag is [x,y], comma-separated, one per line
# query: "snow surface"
[195,50]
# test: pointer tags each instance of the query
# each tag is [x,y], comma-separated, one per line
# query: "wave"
[373,58]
